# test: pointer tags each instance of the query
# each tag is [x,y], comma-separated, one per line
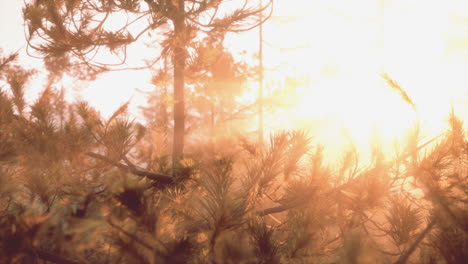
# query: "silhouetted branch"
[132,236]
[403,258]
[150,175]
[47,256]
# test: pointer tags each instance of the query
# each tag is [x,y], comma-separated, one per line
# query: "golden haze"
[342,48]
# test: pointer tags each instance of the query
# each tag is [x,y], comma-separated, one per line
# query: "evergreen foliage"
[77,188]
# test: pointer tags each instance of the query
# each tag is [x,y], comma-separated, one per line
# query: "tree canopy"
[75,32]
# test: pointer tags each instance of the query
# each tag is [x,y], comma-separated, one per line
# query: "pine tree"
[66,31]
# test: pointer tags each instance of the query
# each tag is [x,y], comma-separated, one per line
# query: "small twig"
[132,236]
[139,240]
[276,209]
[275,219]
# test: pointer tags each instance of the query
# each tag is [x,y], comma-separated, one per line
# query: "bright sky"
[342,46]
[421,44]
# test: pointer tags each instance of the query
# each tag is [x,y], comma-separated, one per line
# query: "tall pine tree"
[73,32]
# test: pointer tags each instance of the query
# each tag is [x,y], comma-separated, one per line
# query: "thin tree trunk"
[212,128]
[164,114]
[179,67]
[260,88]
[212,122]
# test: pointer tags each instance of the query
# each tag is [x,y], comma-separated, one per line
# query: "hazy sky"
[11,21]
[342,46]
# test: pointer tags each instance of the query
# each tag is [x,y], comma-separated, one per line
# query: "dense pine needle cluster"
[77,188]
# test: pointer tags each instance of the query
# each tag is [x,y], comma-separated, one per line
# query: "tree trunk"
[179,68]
[212,122]
[260,80]
[163,111]
[212,128]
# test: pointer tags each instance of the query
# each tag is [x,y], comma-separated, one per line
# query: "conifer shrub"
[78,188]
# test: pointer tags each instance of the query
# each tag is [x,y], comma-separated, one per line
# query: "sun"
[352,53]
[358,108]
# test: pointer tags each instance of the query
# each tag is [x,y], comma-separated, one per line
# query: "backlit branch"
[229,22]
[328,195]
[403,258]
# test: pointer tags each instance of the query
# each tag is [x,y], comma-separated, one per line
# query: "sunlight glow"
[344,50]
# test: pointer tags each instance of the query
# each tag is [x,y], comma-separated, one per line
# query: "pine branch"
[278,209]
[329,194]
[5,61]
[150,175]
[403,258]
[395,86]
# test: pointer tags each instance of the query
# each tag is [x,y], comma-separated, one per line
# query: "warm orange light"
[344,48]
